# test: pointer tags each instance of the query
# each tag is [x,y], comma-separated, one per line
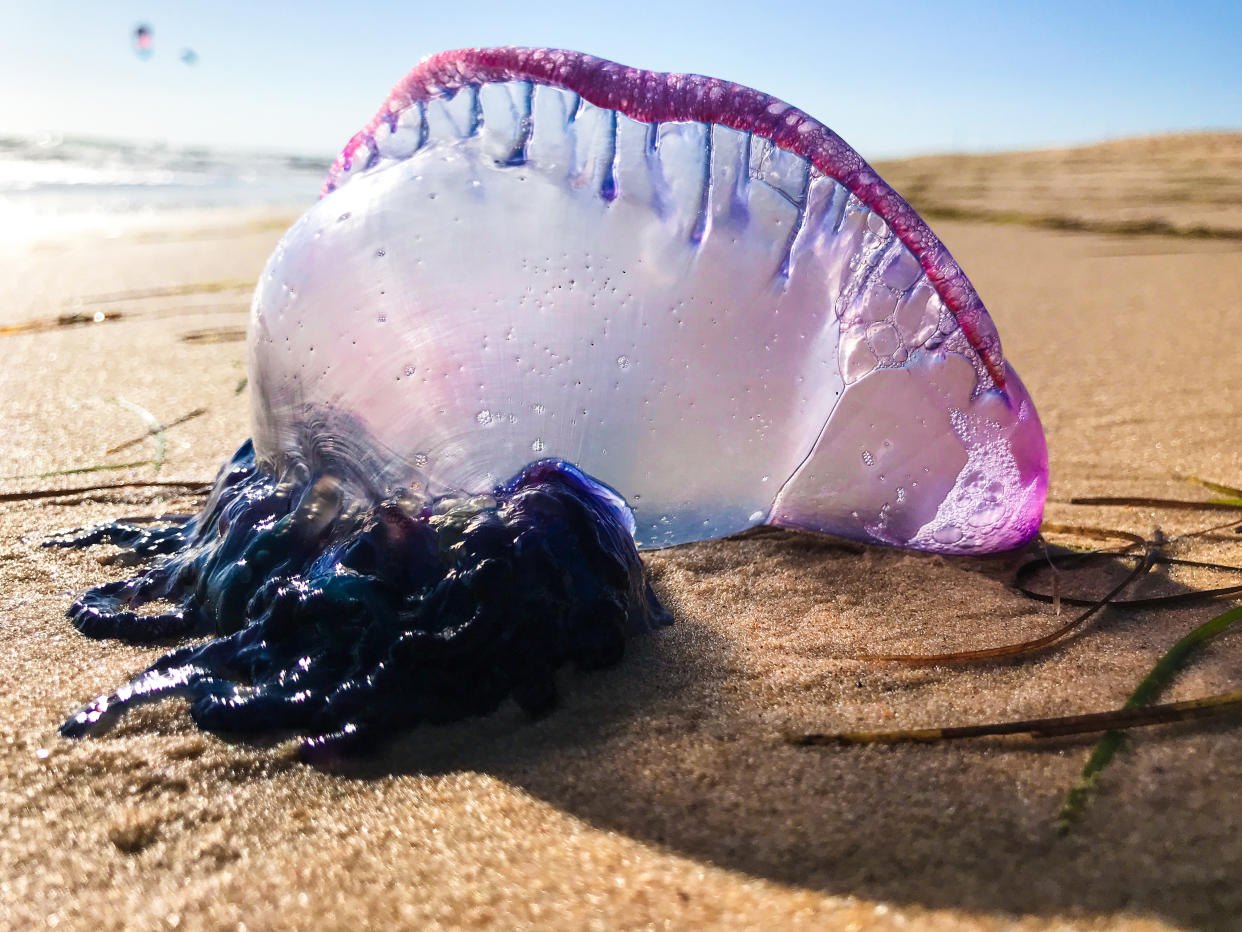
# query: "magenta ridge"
[658,97]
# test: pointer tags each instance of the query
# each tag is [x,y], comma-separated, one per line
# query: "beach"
[662,792]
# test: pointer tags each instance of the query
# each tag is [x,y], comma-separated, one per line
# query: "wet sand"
[660,793]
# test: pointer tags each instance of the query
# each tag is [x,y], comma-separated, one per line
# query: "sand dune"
[1184,184]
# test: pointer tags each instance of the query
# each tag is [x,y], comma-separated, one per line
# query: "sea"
[52,185]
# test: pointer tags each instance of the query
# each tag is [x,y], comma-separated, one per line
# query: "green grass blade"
[1226,490]
[1149,687]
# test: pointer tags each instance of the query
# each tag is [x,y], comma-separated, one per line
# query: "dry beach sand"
[660,793]
[1183,183]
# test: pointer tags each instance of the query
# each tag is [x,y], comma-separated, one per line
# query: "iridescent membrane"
[695,316]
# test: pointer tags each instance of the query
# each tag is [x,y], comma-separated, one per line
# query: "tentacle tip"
[92,719]
[75,727]
[334,747]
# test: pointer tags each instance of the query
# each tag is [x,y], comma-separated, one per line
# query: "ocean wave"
[50,174]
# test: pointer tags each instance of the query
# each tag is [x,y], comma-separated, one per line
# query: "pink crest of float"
[658,97]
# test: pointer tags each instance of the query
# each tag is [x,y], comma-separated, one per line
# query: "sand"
[660,793]
[1182,183]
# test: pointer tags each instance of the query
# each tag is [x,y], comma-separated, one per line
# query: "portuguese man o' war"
[549,310]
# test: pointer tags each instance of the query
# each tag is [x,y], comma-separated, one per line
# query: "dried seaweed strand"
[83,319]
[78,470]
[154,428]
[1094,533]
[189,416]
[60,322]
[1153,557]
[1174,503]
[1136,711]
[194,486]
[173,291]
[1010,650]
[1154,601]
[1053,727]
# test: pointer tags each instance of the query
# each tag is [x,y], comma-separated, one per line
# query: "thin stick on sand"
[1053,727]
[192,486]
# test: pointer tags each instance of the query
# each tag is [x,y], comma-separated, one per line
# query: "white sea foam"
[51,185]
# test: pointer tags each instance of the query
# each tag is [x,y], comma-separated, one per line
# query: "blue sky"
[892,78]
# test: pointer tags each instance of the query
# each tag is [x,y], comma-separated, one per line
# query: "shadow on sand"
[671,748]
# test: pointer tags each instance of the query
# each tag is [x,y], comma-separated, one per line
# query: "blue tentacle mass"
[345,625]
